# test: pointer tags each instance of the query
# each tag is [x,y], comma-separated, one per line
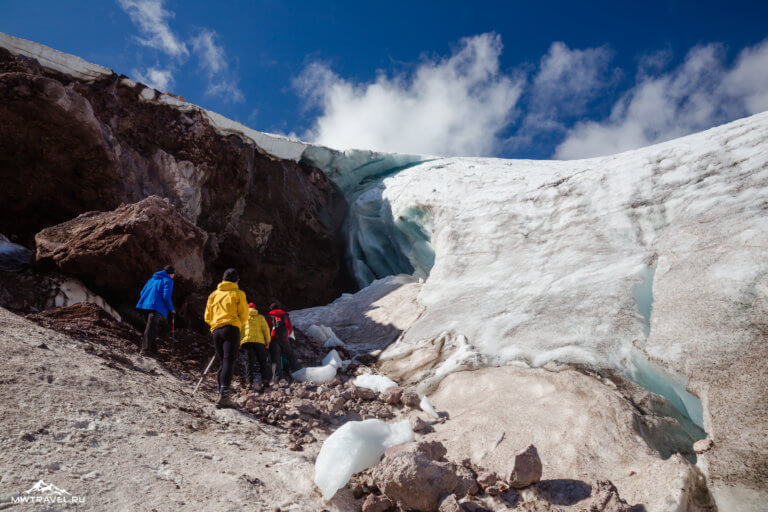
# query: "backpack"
[279,327]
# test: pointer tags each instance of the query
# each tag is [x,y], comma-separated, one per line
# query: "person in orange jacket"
[254,339]
[226,312]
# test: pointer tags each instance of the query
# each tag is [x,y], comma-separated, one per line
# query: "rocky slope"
[124,432]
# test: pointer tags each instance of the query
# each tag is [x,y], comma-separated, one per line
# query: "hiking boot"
[223,401]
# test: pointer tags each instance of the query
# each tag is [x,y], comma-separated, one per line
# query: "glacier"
[650,263]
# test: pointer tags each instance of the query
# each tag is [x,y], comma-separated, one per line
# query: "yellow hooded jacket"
[255,330]
[226,306]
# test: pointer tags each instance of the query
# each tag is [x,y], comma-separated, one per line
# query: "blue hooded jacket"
[156,294]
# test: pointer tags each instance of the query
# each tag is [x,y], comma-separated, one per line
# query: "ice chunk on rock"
[427,407]
[378,383]
[333,358]
[317,374]
[325,335]
[356,446]
[320,374]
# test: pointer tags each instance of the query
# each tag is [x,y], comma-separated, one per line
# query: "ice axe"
[203,376]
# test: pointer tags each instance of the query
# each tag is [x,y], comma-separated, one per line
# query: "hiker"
[281,330]
[255,338]
[155,299]
[226,312]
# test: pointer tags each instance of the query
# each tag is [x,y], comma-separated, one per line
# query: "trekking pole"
[173,327]
[203,376]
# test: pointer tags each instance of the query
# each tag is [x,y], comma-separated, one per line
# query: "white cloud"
[152,20]
[749,78]
[568,79]
[213,60]
[160,79]
[211,54]
[450,106]
[566,82]
[700,93]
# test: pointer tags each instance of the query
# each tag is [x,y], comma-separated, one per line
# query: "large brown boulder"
[414,481]
[115,252]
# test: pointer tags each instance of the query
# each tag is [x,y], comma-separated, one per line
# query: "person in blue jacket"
[156,300]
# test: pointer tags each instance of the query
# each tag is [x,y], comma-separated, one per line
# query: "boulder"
[414,481]
[526,468]
[418,424]
[487,479]
[605,498]
[410,398]
[376,503]
[435,450]
[467,482]
[392,396]
[363,393]
[449,504]
[116,252]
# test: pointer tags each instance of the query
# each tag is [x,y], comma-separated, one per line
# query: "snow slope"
[648,262]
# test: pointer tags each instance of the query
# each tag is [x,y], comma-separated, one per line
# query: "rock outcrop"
[71,144]
[114,252]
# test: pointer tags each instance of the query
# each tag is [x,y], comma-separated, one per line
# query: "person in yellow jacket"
[226,312]
[254,339]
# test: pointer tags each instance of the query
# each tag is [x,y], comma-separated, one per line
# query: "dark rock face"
[115,252]
[68,147]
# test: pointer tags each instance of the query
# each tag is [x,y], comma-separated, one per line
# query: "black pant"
[227,342]
[257,351]
[277,348]
[148,341]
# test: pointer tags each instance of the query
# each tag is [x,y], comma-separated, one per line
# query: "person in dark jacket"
[281,332]
[155,299]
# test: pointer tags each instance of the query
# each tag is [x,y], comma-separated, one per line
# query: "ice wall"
[378,244]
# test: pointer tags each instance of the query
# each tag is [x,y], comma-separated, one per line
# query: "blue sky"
[514,79]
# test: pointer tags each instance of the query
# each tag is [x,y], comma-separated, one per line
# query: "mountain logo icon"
[43,488]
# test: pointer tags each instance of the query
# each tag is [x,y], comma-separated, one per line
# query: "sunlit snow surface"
[557,261]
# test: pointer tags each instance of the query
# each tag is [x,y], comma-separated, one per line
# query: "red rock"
[410,398]
[526,468]
[435,450]
[418,424]
[450,504]
[605,498]
[487,479]
[414,481]
[374,503]
[392,395]
[363,393]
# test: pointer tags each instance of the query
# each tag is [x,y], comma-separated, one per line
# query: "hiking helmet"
[231,275]
[252,305]
[169,269]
